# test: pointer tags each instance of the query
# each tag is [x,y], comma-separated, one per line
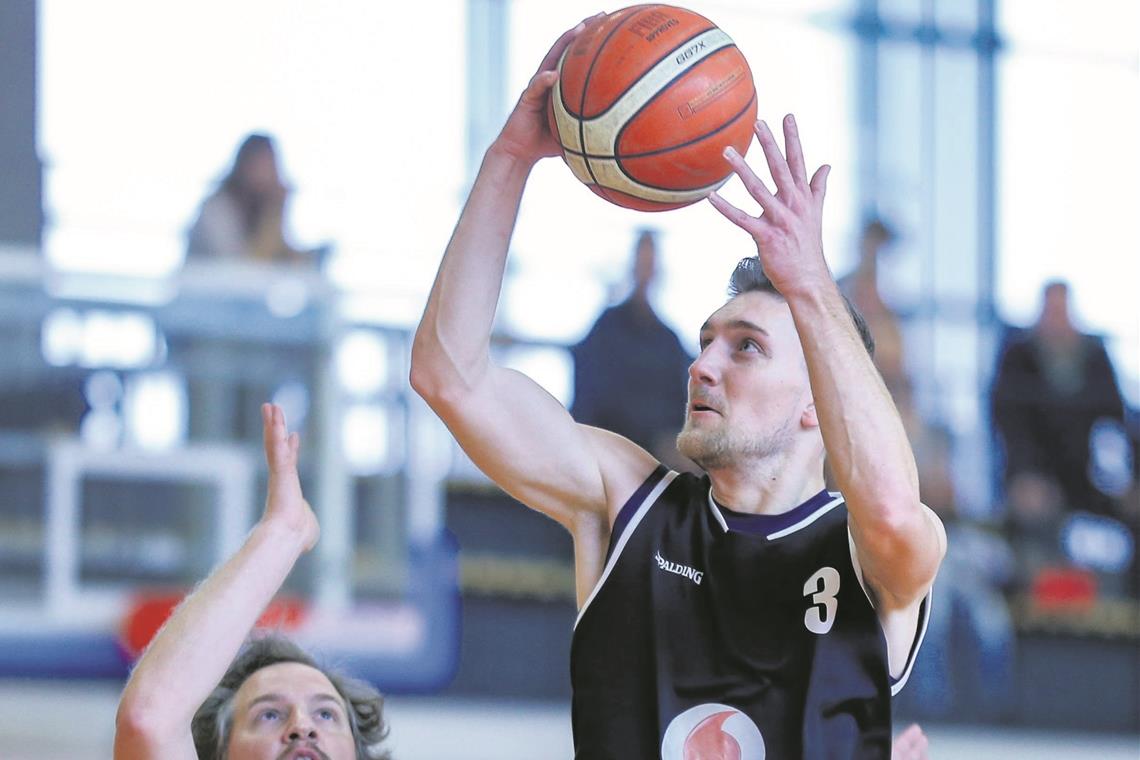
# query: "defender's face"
[748,388]
[290,711]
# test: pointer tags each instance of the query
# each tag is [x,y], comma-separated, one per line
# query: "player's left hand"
[789,230]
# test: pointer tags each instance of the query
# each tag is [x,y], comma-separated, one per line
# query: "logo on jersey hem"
[712,731]
[678,569]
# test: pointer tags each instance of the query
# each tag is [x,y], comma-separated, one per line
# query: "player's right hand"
[526,136]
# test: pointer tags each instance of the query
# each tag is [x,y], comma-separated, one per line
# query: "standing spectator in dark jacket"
[630,371]
[1055,388]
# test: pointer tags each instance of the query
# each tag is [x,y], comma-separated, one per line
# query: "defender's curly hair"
[214,720]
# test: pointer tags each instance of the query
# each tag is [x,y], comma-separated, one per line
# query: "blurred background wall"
[982,149]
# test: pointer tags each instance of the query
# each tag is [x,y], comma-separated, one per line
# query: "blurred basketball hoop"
[147,612]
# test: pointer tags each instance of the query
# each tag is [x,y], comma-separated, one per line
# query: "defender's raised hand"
[285,505]
[190,655]
[789,230]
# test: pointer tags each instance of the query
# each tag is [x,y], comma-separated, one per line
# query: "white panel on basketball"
[609,175]
[601,168]
[568,134]
[577,165]
[601,132]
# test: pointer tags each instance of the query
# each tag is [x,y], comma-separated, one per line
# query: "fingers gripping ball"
[646,101]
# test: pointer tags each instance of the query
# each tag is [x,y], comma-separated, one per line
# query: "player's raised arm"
[193,650]
[510,427]
[899,542]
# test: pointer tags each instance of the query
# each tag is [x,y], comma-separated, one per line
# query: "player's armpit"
[526,441]
[625,467]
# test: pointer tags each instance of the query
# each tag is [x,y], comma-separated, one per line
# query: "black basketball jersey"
[713,634]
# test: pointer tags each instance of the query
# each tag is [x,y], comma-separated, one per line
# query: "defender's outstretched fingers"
[776,163]
[795,151]
[280,448]
[753,184]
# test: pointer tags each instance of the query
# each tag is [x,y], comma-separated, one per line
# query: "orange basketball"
[646,101]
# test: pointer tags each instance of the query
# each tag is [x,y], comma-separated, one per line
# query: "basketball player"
[747,612]
[189,697]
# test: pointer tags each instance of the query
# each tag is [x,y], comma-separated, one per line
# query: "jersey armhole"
[898,682]
[626,523]
[629,509]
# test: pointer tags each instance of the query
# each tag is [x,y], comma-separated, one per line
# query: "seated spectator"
[1056,404]
[245,217]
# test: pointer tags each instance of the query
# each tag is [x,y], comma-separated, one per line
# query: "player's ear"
[809,418]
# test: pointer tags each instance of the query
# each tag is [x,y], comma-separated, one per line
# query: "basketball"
[645,103]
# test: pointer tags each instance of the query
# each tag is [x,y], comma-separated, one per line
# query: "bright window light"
[364,435]
[97,338]
[1068,196]
[61,337]
[551,368]
[154,409]
[362,362]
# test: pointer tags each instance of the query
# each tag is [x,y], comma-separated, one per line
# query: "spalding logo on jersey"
[712,732]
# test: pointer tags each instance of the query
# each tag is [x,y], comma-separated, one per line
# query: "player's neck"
[763,490]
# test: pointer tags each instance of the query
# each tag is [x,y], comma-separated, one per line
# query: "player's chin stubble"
[708,448]
[718,448]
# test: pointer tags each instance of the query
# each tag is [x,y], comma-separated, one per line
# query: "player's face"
[289,711]
[748,388]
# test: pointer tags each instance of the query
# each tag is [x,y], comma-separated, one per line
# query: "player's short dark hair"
[214,720]
[749,277]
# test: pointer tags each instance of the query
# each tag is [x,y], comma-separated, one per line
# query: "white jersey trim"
[923,620]
[835,502]
[920,632]
[716,512]
[631,526]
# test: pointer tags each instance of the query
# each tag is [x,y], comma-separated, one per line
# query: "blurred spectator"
[245,217]
[630,371]
[861,286]
[1055,404]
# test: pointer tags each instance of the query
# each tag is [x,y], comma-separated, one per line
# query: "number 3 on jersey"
[822,587]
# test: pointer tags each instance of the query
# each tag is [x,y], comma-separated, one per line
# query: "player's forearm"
[866,443]
[453,340]
[200,640]
[900,543]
